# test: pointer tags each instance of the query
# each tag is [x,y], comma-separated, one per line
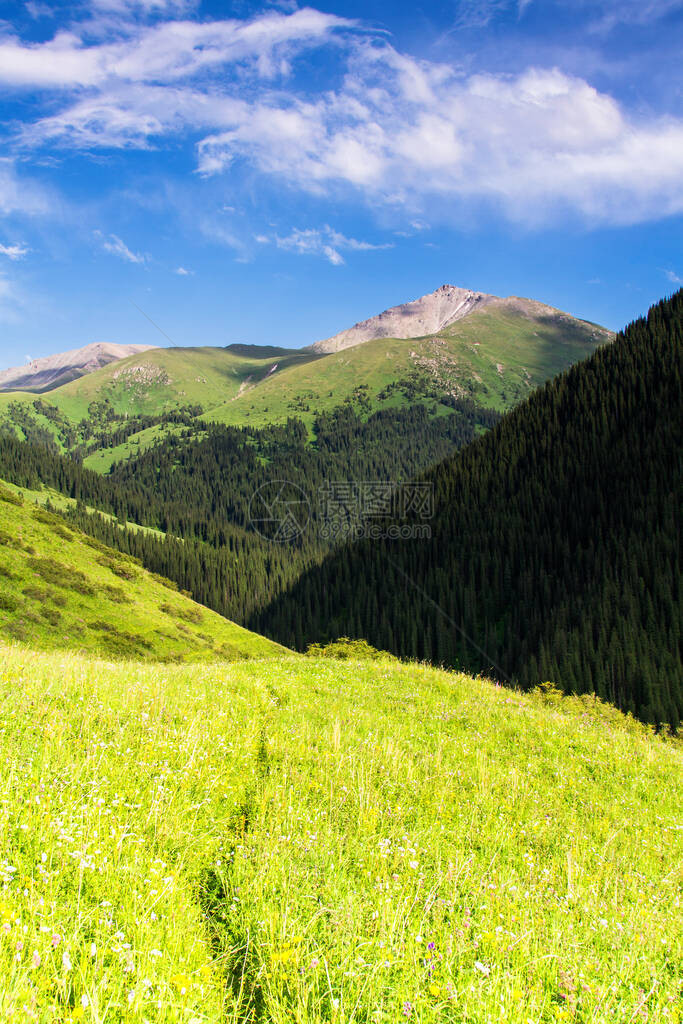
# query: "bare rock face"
[52,371]
[428,315]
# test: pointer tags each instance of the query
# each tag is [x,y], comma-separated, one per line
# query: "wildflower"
[36,959]
[407,1008]
[482,968]
[56,939]
[413,864]
[181,982]
[314,962]
[93,950]
[431,945]
[85,1002]
[66,961]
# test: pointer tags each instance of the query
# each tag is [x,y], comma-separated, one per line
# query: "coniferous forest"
[555,550]
[555,544]
[197,491]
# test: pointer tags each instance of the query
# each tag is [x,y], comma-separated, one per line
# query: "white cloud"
[673,277]
[183,272]
[13,252]
[117,247]
[162,52]
[392,129]
[401,131]
[324,242]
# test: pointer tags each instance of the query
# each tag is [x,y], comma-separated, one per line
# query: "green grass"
[497,356]
[61,589]
[313,840]
[463,360]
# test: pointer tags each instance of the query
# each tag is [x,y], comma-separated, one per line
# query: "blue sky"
[271,173]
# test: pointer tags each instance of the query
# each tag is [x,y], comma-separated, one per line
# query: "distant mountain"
[554,549]
[432,314]
[52,371]
[488,351]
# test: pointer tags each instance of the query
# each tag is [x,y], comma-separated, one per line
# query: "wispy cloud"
[325,242]
[13,252]
[600,14]
[10,301]
[673,277]
[117,247]
[478,13]
[21,195]
[183,272]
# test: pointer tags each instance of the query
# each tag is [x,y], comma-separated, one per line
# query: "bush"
[8,603]
[347,650]
[190,614]
[61,575]
[116,594]
[10,497]
[118,567]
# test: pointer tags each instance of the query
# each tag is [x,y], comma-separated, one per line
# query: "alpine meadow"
[341,608]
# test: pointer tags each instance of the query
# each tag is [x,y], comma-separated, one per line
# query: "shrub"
[61,575]
[190,614]
[116,594]
[50,615]
[8,603]
[10,497]
[346,649]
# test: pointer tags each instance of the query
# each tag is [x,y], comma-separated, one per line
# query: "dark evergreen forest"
[555,543]
[198,489]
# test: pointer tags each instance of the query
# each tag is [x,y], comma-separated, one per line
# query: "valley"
[333,779]
[341,479]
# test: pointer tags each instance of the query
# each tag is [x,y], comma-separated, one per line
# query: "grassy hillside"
[62,589]
[313,840]
[496,356]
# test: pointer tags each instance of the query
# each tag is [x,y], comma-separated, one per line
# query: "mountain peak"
[427,315]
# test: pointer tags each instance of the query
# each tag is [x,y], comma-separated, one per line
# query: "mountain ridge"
[51,372]
[430,314]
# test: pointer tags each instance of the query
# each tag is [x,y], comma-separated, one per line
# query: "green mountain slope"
[554,551]
[62,589]
[312,840]
[495,356]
